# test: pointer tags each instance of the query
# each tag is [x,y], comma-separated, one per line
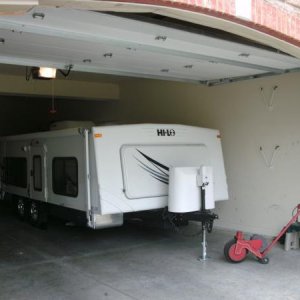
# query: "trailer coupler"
[206,217]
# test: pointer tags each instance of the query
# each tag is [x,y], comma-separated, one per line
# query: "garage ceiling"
[108,44]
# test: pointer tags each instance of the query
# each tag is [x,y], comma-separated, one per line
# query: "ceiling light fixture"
[46,73]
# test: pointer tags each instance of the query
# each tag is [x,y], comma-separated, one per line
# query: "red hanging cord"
[52,109]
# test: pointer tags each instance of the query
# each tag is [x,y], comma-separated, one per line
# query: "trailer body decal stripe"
[159,175]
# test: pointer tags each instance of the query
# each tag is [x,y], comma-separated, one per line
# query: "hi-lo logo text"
[165,132]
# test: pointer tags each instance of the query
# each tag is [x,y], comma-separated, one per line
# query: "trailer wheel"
[22,208]
[37,214]
[231,255]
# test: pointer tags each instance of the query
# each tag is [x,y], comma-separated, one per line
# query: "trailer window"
[37,173]
[65,176]
[15,171]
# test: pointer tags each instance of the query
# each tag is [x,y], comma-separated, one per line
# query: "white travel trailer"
[99,174]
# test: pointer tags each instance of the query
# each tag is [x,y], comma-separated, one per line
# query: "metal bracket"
[269,103]
[269,164]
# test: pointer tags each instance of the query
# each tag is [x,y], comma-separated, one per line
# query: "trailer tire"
[38,214]
[229,252]
[22,208]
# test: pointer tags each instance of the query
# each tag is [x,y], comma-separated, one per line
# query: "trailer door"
[38,188]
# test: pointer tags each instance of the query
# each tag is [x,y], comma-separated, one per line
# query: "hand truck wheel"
[264,260]
[230,253]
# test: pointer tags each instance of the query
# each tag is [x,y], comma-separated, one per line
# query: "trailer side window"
[15,171]
[65,176]
[37,172]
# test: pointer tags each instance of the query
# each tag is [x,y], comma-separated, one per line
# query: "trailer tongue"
[191,194]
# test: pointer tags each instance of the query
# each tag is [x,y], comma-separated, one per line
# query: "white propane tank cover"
[184,192]
[206,175]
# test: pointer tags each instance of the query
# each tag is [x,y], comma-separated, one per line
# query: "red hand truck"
[236,250]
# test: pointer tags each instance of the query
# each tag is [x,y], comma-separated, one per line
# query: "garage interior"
[157,70]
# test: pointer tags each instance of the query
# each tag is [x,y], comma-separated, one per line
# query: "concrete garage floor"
[132,263]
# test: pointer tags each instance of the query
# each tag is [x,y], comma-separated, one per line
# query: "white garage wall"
[261,198]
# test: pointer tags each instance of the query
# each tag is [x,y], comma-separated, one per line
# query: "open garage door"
[103,43]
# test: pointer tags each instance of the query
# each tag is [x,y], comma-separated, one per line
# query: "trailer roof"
[42,134]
